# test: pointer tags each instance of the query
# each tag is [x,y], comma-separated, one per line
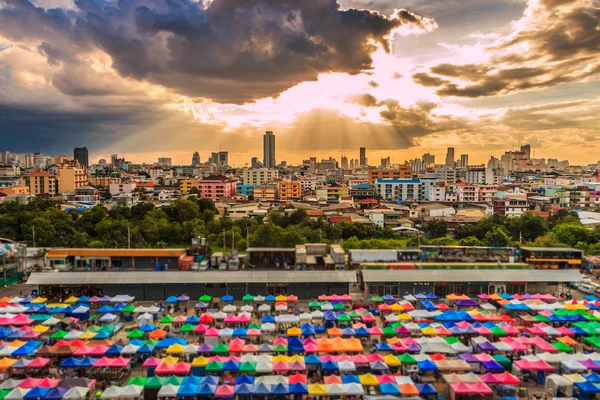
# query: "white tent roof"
[122,298]
[168,391]
[76,393]
[134,391]
[17,394]
[113,392]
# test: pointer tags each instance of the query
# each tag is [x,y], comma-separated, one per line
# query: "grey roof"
[271,249]
[471,275]
[557,249]
[137,277]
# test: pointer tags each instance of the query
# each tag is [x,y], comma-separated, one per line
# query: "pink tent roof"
[345,297]
[386,379]
[120,362]
[483,331]
[375,357]
[200,328]
[48,383]
[181,368]
[243,318]
[311,348]
[103,362]
[484,296]
[367,318]
[281,367]
[539,365]
[323,297]
[151,362]
[29,383]
[297,378]
[506,378]
[296,366]
[224,391]
[83,351]
[280,340]
[375,331]
[563,330]
[212,332]
[399,347]
[294,299]
[164,369]
[94,299]
[38,362]
[230,319]
[360,359]
[402,330]
[544,345]
[179,319]
[470,388]
[490,379]
[250,348]
[253,332]
[536,331]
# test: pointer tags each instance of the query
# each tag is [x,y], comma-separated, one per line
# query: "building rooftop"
[471,275]
[59,252]
[551,249]
[167,277]
[398,180]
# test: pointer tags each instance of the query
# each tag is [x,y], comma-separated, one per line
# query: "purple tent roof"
[183,298]
[201,305]
[527,296]
[468,357]
[487,346]
[590,364]
[413,347]
[492,366]
[466,303]
[205,348]
[105,299]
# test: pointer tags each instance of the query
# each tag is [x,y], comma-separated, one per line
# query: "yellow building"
[265,193]
[185,185]
[42,183]
[15,190]
[289,190]
[71,175]
[103,181]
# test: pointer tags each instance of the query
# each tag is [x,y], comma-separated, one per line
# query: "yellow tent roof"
[317,389]
[87,335]
[39,300]
[54,305]
[396,307]
[391,360]
[175,349]
[6,362]
[295,331]
[296,358]
[281,298]
[428,331]
[404,317]
[281,358]
[169,360]
[199,362]
[368,380]
[574,378]
[576,307]
[72,300]
[41,329]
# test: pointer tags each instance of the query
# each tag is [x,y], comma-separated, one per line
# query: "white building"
[467,193]
[446,174]
[120,188]
[437,193]
[480,175]
[427,184]
[258,176]
[398,189]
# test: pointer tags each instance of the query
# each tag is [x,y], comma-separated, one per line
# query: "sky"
[164,78]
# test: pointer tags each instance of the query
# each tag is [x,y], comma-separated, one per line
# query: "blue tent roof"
[270,298]
[227,298]
[587,387]
[428,305]
[37,392]
[105,309]
[298,388]
[420,296]
[389,388]
[87,362]
[56,394]
[348,332]
[231,366]
[426,389]
[165,343]
[191,380]
[388,297]
[102,335]
[171,299]
[83,299]
[307,329]
[70,362]
[329,366]
[262,390]
[506,296]
[312,359]
[427,365]
[592,377]
[147,328]
[210,380]
[383,346]
[350,379]
[243,389]
[268,318]
[280,390]
[137,342]
[517,307]
[239,332]
[187,390]
[207,390]
[145,349]
[361,331]
[192,319]
[432,296]
[244,379]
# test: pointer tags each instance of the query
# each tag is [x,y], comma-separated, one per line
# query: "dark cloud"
[365,100]
[231,51]
[563,45]
[396,75]
[373,84]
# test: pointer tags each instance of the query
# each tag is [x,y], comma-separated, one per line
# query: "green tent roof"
[166,320]
[247,367]
[205,299]
[389,331]
[560,346]
[376,299]
[135,334]
[214,366]
[220,348]
[138,380]
[4,392]
[187,328]
[155,382]
[280,348]
[128,309]
[248,297]
[406,358]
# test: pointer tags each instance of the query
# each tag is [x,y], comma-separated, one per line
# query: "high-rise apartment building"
[164,161]
[80,154]
[252,176]
[220,158]
[464,160]
[428,159]
[450,157]
[344,162]
[196,158]
[363,157]
[269,150]
[5,158]
[526,148]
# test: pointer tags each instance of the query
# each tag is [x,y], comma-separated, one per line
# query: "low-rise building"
[511,206]
[217,187]
[402,172]
[257,176]
[398,189]
[186,185]
[42,183]
[289,190]
[120,188]
[362,191]
[71,175]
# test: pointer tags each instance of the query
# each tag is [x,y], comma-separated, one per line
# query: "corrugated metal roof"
[471,275]
[271,249]
[144,277]
[552,249]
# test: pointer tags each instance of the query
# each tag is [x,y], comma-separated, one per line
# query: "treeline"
[145,225]
[563,229]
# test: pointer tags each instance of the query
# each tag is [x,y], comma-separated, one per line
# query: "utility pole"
[232,238]
[128,237]
[224,247]
[33,234]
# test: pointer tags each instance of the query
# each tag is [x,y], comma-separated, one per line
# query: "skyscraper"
[450,157]
[344,162]
[196,158]
[5,158]
[363,157]
[428,159]
[526,148]
[269,150]
[464,160]
[80,154]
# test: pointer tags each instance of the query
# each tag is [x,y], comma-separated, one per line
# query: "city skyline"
[420,77]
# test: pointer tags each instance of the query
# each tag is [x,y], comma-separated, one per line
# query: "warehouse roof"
[66,252]
[471,275]
[552,249]
[166,277]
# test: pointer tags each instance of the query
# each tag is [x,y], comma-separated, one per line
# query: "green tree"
[488,223]
[435,228]
[194,190]
[497,237]
[443,241]
[527,227]
[470,241]
[570,233]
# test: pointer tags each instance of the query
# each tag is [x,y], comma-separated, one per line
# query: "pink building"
[217,187]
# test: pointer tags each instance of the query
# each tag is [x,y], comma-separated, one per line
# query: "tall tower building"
[526,148]
[344,162]
[428,159]
[196,158]
[269,150]
[80,154]
[450,157]
[464,160]
[5,158]
[363,157]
